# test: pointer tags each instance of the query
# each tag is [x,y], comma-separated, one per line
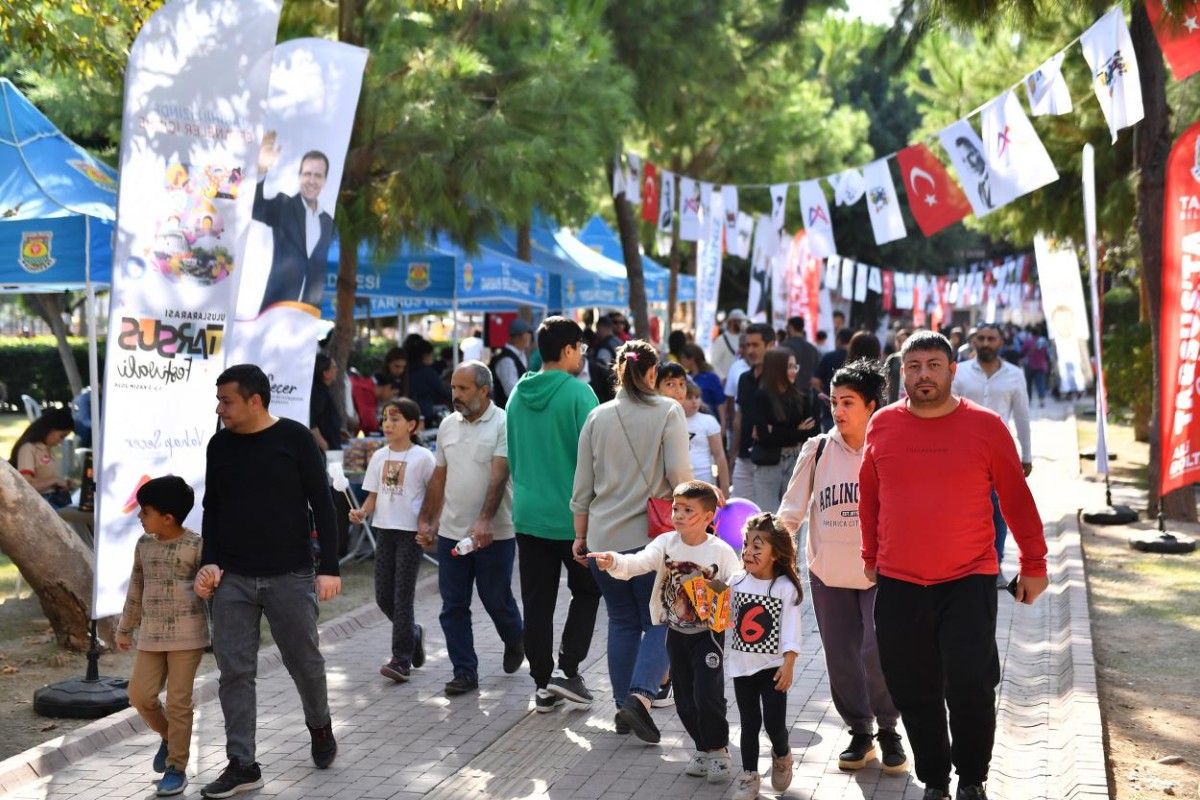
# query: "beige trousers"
[175,669]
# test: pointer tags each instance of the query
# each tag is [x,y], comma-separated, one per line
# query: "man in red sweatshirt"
[933,555]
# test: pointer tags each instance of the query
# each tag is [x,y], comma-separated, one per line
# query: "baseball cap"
[519,326]
[737,314]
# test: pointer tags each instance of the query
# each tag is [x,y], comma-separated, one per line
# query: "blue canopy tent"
[599,237]
[58,206]
[571,287]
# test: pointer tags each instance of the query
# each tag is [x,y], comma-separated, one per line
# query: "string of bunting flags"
[1006,160]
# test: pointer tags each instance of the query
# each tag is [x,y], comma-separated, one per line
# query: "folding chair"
[33,409]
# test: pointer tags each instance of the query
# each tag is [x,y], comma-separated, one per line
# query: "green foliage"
[1128,360]
[33,367]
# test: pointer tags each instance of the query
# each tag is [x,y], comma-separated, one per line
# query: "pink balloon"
[731,520]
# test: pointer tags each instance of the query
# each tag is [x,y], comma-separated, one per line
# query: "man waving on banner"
[301,230]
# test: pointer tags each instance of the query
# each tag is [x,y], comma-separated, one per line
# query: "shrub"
[33,367]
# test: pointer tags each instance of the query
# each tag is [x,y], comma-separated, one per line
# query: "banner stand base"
[1161,541]
[91,697]
[1110,515]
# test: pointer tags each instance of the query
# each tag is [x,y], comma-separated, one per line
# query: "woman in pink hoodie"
[824,492]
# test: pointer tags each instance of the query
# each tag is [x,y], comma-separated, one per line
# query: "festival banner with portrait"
[1179,323]
[195,93]
[314,92]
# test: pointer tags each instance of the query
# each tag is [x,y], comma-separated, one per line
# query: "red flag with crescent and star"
[649,192]
[1178,36]
[934,198]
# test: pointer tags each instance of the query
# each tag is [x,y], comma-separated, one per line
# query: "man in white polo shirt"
[997,385]
[472,451]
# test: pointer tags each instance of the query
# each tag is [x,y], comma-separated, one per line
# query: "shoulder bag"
[658,510]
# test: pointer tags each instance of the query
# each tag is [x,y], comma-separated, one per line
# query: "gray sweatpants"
[845,618]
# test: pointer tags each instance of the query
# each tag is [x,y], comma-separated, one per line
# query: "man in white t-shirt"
[724,349]
[473,452]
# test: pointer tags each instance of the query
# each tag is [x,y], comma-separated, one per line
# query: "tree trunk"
[673,284]
[1152,145]
[627,225]
[50,307]
[55,563]
[524,242]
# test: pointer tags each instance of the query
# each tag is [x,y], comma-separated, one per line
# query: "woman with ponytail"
[631,448]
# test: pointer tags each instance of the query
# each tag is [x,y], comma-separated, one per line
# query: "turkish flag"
[935,200]
[1178,36]
[649,192]
[889,290]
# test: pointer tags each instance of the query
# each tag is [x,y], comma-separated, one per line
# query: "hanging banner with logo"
[195,90]
[966,153]
[779,193]
[310,110]
[1178,36]
[689,210]
[815,213]
[887,223]
[708,270]
[1109,52]
[1179,325]
[760,270]
[1016,158]
[666,203]
[729,201]
[780,278]
[1064,309]
[1047,89]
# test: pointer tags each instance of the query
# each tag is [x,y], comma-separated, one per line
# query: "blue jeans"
[1001,528]
[290,603]
[637,648]
[489,569]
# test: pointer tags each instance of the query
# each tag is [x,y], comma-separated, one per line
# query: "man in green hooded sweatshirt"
[546,412]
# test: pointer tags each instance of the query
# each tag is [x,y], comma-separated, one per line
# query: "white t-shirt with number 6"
[764,620]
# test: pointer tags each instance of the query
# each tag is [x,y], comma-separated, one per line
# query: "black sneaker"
[234,779]
[893,757]
[460,684]
[622,725]
[970,792]
[860,751]
[395,670]
[544,702]
[573,689]
[637,717]
[663,698]
[514,654]
[324,746]
[418,659]
[934,793]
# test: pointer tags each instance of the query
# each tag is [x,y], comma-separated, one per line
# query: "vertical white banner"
[314,92]
[779,193]
[708,270]
[689,210]
[1066,314]
[195,89]
[781,282]
[666,203]
[729,202]
[760,270]
[1089,224]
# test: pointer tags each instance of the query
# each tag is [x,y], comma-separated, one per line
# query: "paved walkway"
[409,741]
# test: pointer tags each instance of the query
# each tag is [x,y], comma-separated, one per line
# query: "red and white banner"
[1179,324]
[310,111]
[195,92]
[1178,36]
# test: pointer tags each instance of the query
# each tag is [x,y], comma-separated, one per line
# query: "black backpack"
[499,396]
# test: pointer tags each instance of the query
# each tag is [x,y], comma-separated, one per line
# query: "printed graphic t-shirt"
[398,480]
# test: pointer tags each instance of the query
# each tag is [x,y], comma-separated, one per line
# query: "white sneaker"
[698,766]
[719,769]
[748,785]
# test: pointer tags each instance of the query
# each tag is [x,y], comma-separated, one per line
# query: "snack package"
[698,592]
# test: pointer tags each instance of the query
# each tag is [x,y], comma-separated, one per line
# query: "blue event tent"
[57,204]
[571,286]
[599,237]
[442,277]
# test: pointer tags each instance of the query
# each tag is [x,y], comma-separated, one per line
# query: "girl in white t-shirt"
[704,440]
[395,484]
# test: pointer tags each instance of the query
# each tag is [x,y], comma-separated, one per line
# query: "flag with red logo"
[815,210]
[1178,36]
[935,199]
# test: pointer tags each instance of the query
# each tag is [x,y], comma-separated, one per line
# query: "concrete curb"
[38,762]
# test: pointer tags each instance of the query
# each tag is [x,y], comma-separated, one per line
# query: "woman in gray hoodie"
[824,490]
[631,448]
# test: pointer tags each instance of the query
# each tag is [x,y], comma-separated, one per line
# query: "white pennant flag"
[966,154]
[779,193]
[875,280]
[745,232]
[765,242]
[633,179]
[848,187]
[1047,89]
[886,221]
[666,203]
[618,180]
[815,210]
[847,288]
[689,210]
[1109,52]
[860,282]
[833,272]
[1017,160]
[729,201]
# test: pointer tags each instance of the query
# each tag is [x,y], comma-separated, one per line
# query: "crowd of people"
[622,494]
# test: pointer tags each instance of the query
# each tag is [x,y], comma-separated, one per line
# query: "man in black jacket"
[263,476]
[301,230]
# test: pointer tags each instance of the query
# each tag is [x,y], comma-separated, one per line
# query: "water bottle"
[463,547]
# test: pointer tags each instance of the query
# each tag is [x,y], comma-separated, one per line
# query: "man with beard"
[545,414]
[472,452]
[994,383]
[930,464]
